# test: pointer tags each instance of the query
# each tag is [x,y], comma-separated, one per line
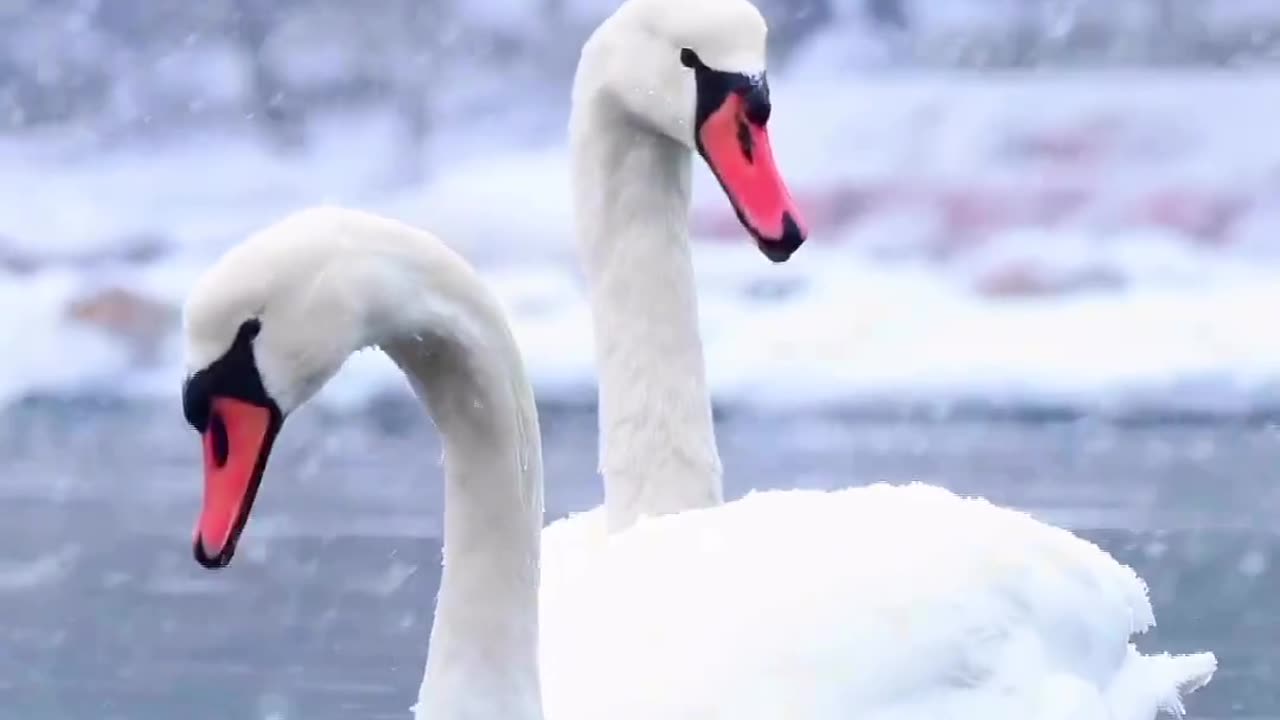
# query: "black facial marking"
[235,375]
[714,87]
[758,106]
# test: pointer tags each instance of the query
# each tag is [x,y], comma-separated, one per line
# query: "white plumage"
[882,602]
[877,603]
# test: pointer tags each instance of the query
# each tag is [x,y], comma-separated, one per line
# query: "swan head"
[694,71]
[254,353]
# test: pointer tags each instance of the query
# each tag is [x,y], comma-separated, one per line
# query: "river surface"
[325,614]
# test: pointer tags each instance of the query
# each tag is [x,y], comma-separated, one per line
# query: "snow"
[854,333]
[872,335]
[889,304]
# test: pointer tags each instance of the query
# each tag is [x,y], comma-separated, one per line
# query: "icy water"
[324,615]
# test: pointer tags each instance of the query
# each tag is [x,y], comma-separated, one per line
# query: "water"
[326,611]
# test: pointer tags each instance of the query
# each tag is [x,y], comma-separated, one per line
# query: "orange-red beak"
[237,444]
[734,141]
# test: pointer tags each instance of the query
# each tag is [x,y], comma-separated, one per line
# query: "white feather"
[883,602]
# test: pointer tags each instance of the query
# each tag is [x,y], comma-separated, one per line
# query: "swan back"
[882,602]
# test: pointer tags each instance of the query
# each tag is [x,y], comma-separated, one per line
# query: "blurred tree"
[887,13]
[1026,37]
[791,22]
[132,66]
[280,115]
[44,78]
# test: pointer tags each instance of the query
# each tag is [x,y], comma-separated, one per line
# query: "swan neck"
[632,192]
[462,361]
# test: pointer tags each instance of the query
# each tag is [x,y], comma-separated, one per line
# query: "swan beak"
[237,443]
[734,141]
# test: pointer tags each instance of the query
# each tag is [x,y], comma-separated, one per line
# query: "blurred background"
[1044,268]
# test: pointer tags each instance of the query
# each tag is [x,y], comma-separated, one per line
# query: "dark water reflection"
[325,615]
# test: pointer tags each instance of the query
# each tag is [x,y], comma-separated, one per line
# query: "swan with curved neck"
[278,315]
[659,81]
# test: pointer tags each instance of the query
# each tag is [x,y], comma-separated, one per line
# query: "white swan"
[277,316]
[880,602]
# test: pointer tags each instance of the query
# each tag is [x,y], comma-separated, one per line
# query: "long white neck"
[631,191]
[458,352]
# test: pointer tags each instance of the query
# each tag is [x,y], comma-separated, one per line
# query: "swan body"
[880,603]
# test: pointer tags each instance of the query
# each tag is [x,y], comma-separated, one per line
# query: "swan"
[884,602]
[277,315]
[877,602]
